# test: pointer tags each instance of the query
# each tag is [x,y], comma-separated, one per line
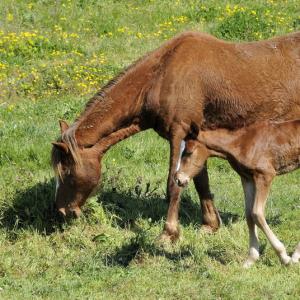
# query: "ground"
[53,57]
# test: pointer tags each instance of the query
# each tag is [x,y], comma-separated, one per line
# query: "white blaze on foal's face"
[192,161]
[182,146]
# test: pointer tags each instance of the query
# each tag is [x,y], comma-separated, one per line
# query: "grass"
[53,57]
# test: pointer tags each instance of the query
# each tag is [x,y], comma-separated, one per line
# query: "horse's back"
[232,82]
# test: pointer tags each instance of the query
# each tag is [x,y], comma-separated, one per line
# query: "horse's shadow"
[128,207]
[34,208]
[134,249]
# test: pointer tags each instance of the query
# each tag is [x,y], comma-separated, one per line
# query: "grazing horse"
[258,153]
[193,78]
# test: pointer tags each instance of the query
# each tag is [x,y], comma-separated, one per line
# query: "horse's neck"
[117,106]
[220,140]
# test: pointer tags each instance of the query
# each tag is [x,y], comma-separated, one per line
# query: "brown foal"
[257,153]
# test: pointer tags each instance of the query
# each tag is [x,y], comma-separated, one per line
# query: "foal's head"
[192,162]
[77,175]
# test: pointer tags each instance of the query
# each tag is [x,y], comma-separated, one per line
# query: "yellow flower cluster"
[66,71]
[255,22]
[68,57]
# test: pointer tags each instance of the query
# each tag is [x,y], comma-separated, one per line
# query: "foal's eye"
[187,152]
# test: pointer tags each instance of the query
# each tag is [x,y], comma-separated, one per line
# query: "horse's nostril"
[60,216]
[62,212]
[181,184]
[74,215]
[178,182]
[76,212]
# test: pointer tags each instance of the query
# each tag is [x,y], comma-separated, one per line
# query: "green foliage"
[53,56]
[66,47]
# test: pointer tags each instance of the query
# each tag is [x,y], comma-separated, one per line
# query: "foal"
[257,153]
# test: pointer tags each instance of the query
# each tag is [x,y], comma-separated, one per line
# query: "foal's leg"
[249,192]
[210,215]
[296,254]
[262,184]
[171,230]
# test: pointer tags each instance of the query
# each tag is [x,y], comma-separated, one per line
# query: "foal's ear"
[63,126]
[61,146]
[190,146]
[194,130]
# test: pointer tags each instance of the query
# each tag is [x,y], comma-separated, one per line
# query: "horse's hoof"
[211,216]
[166,239]
[207,229]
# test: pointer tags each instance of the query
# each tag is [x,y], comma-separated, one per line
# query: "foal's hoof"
[294,260]
[296,256]
[248,263]
[286,260]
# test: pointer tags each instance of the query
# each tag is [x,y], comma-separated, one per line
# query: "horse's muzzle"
[70,212]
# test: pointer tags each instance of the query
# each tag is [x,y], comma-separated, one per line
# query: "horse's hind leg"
[296,254]
[262,185]
[210,216]
[249,193]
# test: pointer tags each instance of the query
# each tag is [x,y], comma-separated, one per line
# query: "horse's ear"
[194,130]
[61,146]
[63,126]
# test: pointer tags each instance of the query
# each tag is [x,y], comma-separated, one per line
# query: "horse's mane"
[102,99]
[68,137]
[57,157]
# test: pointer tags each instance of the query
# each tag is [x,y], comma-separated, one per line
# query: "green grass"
[53,57]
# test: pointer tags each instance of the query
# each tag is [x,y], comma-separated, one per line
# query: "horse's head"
[77,175]
[78,169]
[75,181]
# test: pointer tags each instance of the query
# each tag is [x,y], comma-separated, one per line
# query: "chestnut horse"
[194,77]
[258,153]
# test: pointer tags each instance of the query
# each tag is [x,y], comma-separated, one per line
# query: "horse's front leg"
[210,216]
[171,228]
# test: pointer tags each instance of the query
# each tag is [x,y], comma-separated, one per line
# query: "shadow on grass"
[32,208]
[229,218]
[127,207]
[135,250]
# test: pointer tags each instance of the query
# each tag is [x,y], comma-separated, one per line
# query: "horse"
[192,78]
[258,153]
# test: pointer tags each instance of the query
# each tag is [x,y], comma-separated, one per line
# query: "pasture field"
[53,56]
